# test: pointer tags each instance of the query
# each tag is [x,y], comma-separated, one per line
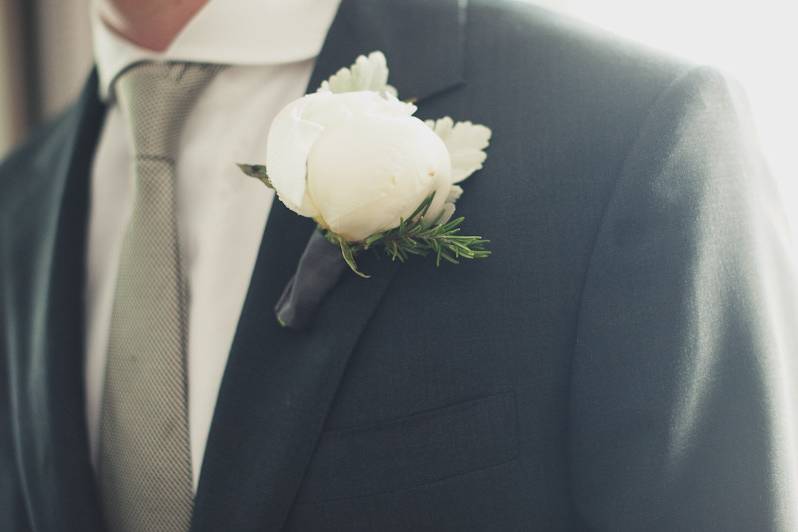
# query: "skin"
[150,24]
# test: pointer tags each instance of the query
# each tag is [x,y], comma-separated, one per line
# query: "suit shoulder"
[27,163]
[567,51]
[703,121]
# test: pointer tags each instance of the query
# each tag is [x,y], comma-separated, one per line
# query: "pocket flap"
[415,450]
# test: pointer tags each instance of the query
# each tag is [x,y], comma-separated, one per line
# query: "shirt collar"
[229,32]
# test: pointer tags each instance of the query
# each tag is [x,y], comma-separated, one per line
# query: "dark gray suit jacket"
[621,362]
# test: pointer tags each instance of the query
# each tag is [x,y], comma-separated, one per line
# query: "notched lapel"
[277,390]
[279,384]
[423,42]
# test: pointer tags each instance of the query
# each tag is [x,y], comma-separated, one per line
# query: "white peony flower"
[353,157]
[298,126]
[367,174]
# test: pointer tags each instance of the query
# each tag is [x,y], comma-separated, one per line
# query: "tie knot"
[156,99]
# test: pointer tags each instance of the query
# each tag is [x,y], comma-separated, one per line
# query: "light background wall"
[45,55]
[13,97]
[65,52]
[755,41]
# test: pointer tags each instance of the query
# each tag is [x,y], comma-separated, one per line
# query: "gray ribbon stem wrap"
[319,269]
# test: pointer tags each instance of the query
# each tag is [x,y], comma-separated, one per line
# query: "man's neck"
[150,24]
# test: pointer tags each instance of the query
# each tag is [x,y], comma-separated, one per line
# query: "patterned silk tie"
[144,468]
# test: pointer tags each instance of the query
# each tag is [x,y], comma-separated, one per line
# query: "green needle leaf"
[415,237]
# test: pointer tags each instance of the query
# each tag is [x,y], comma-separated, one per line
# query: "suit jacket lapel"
[279,384]
[44,288]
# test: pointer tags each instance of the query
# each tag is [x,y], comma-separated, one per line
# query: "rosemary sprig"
[411,237]
[415,237]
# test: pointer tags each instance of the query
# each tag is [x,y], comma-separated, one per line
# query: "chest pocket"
[413,451]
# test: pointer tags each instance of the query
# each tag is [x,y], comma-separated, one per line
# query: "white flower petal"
[369,173]
[289,142]
[298,126]
[446,213]
[466,143]
[340,107]
[454,194]
[442,211]
[366,74]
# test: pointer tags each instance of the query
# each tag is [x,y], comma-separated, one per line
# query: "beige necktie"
[144,465]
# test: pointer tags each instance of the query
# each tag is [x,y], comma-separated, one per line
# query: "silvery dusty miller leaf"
[466,143]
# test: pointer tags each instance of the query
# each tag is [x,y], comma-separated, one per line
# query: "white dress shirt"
[271,46]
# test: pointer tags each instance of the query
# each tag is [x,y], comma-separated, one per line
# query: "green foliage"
[415,237]
[411,237]
[258,171]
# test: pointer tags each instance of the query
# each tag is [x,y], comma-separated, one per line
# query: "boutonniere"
[354,158]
